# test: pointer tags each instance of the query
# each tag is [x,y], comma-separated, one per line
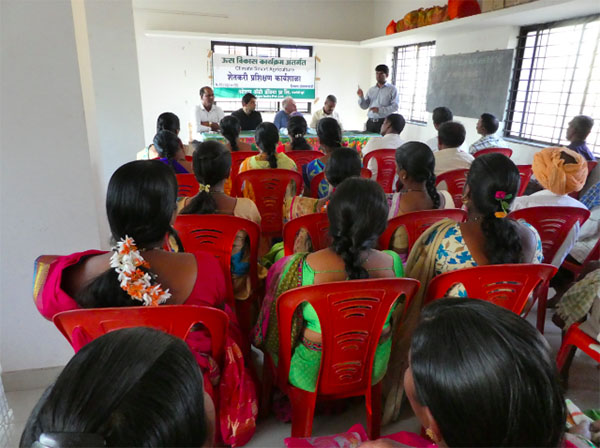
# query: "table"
[352,139]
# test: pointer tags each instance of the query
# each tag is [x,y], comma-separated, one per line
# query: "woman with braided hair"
[488,237]
[357,213]
[415,165]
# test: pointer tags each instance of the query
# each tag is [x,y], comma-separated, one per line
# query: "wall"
[172,69]
[45,188]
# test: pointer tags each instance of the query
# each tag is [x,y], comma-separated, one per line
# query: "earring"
[465,201]
[429,433]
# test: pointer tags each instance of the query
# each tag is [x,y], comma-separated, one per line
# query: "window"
[410,75]
[556,77]
[267,50]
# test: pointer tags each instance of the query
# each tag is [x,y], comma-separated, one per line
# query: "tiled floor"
[584,390]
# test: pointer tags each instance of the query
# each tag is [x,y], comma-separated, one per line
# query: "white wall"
[45,189]
[172,69]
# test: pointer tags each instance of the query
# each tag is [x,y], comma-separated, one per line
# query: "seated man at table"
[450,157]
[391,128]
[439,116]
[578,130]
[288,107]
[328,110]
[249,117]
[207,114]
[487,125]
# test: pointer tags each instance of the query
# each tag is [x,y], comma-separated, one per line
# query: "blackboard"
[471,83]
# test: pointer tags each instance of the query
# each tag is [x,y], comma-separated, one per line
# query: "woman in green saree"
[357,213]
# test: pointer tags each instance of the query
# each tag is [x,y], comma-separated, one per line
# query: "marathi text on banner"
[265,77]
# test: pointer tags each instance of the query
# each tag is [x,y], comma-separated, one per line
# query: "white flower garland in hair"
[127,261]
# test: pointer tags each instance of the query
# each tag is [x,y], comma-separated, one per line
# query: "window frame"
[418,45]
[279,47]
[509,123]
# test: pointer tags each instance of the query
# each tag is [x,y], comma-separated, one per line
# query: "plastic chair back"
[365,173]
[577,338]
[269,187]
[237,157]
[455,182]
[416,223]
[302,157]
[352,315]
[525,173]
[386,167]
[84,325]
[504,151]
[553,224]
[505,285]
[317,226]
[187,185]
[216,234]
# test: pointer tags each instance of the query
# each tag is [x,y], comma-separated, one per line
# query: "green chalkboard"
[470,83]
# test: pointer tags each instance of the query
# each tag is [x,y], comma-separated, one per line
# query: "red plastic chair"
[187,185]
[455,184]
[553,224]
[505,285]
[85,325]
[216,234]
[237,157]
[302,157]
[386,167]
[317,226]
[576,339]
[575,268]
[525,172]
[352,315]
[314,183]
[269,187]
[416,223]
[505,151]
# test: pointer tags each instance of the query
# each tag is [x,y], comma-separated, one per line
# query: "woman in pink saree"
[141,204]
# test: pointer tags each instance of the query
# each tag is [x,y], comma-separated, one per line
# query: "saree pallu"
[420,266]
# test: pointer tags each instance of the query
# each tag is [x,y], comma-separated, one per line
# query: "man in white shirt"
[328,110]
[487,125]
[391,128]
[558,180]
[207,114]
[450,157]
[439,116]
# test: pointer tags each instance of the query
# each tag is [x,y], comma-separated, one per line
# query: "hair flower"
[503,198]
[500,194]
[500,215]
[126,261]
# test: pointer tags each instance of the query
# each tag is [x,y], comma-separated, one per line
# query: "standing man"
[207,114]
[328,110]
[248,116]
[381,100]
[288,108]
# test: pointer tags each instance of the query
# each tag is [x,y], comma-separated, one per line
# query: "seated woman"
[212,164]
[560,171]
[230,129]
[485,390]
[357,215]
[171,152]
[343,164]
[167,121]
[115,392]
[488,237]
[330,137]
[415,166]
[267,137]
[141,205]
[297,129]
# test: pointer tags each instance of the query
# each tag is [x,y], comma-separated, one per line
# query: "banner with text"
[265,77]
